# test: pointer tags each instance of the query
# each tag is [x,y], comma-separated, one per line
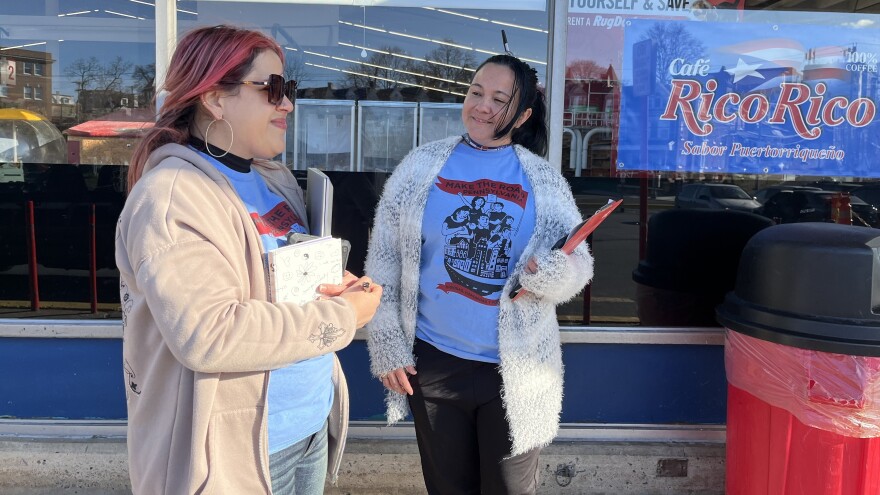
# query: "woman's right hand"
[398,380]
[364,296]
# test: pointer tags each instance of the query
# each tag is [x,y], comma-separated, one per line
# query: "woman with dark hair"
[455,226]
[227,392]
[481,373]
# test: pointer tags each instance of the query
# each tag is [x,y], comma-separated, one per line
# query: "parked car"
[715,196]
[804,205]
[869,193]
[762,195]
[833,185]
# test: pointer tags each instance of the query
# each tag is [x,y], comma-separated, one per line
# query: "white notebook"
[296,270]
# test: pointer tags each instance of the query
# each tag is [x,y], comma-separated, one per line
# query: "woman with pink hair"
[227,392]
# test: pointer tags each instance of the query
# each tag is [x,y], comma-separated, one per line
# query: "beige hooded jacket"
[199,333]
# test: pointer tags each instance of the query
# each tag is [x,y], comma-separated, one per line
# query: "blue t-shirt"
[300,395]
[478,219]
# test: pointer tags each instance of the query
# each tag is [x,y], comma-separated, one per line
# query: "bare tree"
[381,70]
[584,70]
[83,72]
[99,86]
[144,78]
[446,67]
[295,69]
[673,41]
[109,81]
[111,76]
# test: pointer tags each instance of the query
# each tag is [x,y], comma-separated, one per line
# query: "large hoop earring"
[231,140]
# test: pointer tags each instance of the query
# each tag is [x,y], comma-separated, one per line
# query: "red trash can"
[802,355]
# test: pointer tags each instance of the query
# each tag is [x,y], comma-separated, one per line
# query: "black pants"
[462,432]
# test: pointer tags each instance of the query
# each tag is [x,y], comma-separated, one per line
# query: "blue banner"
[749,98]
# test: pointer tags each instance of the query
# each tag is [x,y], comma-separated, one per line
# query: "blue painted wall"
[604,383]
[637,383]
[61,378]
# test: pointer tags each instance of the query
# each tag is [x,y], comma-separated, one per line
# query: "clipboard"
[577,235]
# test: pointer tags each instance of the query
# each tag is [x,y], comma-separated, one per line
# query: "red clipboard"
[578,235]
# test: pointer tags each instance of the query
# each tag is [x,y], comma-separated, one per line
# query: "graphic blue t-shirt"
[300,395]
[478,219]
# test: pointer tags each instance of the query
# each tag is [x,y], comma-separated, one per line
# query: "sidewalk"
[389,467]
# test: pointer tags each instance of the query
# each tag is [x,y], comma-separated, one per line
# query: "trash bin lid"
[809,285]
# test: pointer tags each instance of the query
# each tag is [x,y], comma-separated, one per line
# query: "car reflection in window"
[809,205]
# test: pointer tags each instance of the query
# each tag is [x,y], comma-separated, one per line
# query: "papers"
[319,202]
[296,270]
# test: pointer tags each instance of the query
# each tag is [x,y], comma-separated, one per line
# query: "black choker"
[477,146]
[234,162]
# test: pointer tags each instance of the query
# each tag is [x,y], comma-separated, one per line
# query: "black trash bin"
[802,354]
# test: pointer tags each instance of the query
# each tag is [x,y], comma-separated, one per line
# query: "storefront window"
[64,142]
[375,81]
[720,108]
[388,58]
[66,133]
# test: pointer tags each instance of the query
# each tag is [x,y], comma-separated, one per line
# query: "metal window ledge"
[115,431]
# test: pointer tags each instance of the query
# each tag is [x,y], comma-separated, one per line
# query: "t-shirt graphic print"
[478,236]
[478,219]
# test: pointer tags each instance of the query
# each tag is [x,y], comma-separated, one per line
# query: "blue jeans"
[301,468]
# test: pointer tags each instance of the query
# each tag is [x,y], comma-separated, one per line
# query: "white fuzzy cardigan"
[528,331]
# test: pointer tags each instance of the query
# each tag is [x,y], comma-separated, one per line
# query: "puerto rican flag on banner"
[783,52]
[750,98]
[769,61]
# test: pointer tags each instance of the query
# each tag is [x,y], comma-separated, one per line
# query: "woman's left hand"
[333,290]
[398,380]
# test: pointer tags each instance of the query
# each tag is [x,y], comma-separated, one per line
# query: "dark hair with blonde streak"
[203,58]
[533,133]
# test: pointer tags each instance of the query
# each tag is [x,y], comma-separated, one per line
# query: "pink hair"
[204,57]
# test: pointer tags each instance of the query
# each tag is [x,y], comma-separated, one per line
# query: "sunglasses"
[277,88]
